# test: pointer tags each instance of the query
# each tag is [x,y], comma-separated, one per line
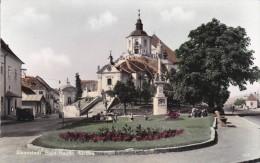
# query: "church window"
[145,43]
[136,49]
[109,81]
[129,43]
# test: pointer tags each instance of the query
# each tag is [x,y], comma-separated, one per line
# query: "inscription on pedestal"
[161,102]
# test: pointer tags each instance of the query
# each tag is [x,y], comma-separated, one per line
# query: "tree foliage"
[147,91]
[125,92]
[240,101]
[214,57]
[78,86]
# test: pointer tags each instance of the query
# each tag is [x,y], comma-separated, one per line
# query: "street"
[254,119]
[239,142]
[34,128]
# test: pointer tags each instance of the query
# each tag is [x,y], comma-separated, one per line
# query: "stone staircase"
[96,109]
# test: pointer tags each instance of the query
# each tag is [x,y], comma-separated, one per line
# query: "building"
[67,94]
[10,81]
[252,102]
[139,62]
[40,87]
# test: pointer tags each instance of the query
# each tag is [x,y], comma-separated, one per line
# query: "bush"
[172,115]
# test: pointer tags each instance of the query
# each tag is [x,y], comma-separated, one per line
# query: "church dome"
[68,87]
[138,28]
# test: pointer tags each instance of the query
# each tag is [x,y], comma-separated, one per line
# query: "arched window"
[145,43]
[129,43]
[136,49]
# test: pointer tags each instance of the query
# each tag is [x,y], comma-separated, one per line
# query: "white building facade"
[139,62]
[10,81]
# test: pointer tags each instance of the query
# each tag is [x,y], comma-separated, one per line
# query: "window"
[69,100]
[15,103]
[40,92]
[9,71]
[129,43]
[15,74]
[145,43]
[251,103]
[2,68]
[2,102]
[136,50]
[109,81]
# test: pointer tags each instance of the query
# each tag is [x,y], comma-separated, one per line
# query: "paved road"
[254,119]
[33,128]
[239,142]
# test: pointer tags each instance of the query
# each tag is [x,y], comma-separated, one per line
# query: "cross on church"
[111,58]
[139,13]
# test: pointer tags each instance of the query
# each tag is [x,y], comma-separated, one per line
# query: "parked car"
[25,113]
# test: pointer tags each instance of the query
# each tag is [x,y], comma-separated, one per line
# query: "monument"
[159,101]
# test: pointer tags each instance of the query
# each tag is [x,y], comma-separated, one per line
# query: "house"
[10,81]
[40,87]
[252,102]
[32,100]
[138,63]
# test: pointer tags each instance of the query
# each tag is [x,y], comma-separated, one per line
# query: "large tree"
[125,92]
[78,86]
[214,57]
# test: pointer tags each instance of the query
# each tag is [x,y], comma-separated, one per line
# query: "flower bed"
[126,134]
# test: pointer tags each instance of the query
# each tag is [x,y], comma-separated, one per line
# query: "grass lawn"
[195,130]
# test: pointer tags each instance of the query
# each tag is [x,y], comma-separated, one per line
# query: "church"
[139,62]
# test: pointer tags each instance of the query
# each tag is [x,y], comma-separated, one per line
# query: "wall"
[71,111]
[251,104]
[90,94]
[114,75]
[13,82]
[1,83]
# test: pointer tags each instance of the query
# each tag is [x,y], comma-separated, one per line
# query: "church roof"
[137,64]
[68,86]
[138,29]
[171,55]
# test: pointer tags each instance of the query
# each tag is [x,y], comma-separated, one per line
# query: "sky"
[58,38]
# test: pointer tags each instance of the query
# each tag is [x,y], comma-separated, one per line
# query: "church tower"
[138,43]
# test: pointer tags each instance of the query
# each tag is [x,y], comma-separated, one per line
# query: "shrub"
[172,115]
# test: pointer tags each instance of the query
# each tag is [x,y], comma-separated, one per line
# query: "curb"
[131,151]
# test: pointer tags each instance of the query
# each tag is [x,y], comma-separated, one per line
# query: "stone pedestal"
[159,101]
